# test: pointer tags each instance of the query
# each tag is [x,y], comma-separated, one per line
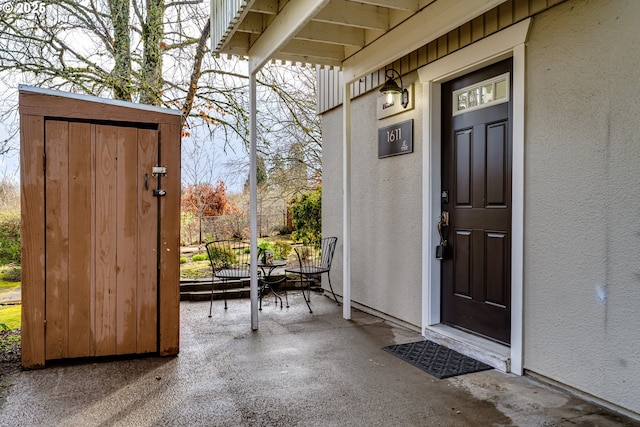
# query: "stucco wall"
[386,210]
[582,200]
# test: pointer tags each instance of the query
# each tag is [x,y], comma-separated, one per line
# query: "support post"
[346,202]
[253,201]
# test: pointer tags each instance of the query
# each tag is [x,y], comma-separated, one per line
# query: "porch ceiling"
[330,32]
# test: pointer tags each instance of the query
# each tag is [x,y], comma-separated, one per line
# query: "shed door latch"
[158,170]
[159,193]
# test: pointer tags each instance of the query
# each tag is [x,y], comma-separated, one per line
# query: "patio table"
[267,281]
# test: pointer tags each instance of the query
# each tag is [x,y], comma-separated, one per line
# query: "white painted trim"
[504,44]
[430,23]
[517,212]
[253,202]
[346,204]
[97,99]
[281,30]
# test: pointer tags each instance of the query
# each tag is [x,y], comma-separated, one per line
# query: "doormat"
[439,361]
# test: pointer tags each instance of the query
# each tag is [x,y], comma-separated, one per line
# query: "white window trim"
[509,42]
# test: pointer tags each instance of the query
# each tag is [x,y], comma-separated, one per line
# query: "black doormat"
[436,360]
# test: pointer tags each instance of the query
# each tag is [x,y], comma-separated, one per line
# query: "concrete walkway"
[299,369]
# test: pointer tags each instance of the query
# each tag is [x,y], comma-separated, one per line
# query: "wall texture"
[582,201]
[386,209]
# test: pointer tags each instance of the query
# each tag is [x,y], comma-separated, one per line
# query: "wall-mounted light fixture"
[390,88]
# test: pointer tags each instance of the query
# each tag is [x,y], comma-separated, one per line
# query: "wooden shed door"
[100,240]
[476,181]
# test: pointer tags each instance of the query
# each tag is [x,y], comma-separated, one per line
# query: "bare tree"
[156,52]
[147,51]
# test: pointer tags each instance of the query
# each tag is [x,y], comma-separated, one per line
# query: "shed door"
[101,240]
[476,184]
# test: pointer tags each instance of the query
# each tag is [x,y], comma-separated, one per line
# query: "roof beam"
[284,26]
[409,5]
[270,7]
[359,15]
[319,50]
[335,34]
[427,25]
[252,23]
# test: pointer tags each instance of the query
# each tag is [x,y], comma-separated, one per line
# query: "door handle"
[444,219]
[443,231]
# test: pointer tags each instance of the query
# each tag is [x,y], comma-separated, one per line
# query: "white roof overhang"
[358,35]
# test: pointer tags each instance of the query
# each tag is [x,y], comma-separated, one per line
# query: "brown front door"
[101,240]
[476,184]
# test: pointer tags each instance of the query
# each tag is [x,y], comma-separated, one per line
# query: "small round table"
[267,282]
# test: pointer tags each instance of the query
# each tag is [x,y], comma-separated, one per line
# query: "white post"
[253,201]
[346,202]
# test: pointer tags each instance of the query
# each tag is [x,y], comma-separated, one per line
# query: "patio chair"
[229,262]
[313,260]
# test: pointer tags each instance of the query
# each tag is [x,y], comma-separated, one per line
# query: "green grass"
[195,270]
[200,257]
[11,316]
[4,285]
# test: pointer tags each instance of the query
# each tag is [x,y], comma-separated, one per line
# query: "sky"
[9,163]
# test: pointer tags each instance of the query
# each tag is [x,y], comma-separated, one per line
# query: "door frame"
[509,42]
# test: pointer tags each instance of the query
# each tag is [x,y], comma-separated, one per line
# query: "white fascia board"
[423,27]
[285,25]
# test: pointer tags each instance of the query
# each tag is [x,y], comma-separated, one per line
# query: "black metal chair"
[313,260]
[229,262]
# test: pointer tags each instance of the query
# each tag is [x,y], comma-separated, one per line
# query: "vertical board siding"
[57,239]
[169,332]
[106,284]
[126,239]
[32,235]
[147,312]
[90,243]
[496,19]
[81,212]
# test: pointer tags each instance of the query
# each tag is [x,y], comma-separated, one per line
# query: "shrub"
[10,237]
[306,211]
[266,245]
[281,250]
[11,273]
[221,257]
[200,257]
[183,260]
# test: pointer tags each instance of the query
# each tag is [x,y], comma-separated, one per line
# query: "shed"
[100,202]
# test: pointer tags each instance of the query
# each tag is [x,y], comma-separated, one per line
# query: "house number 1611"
[395,139]
[394,134]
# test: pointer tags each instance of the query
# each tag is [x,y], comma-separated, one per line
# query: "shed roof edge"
[97,99]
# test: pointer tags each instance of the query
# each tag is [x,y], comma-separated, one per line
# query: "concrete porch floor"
[299,369]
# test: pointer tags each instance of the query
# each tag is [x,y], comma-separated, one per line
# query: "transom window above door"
[480,95]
